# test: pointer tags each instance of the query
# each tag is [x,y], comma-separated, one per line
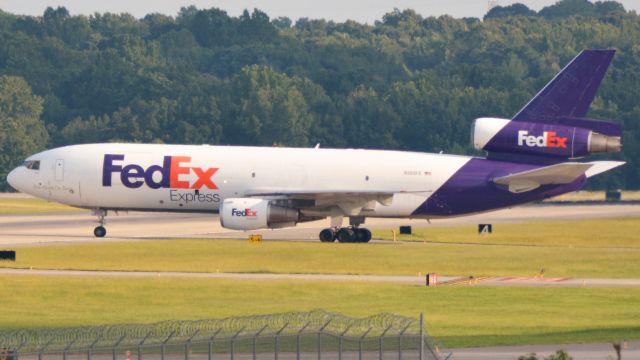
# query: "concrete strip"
[414,280]
[395,279]
[595,351]
[42,229]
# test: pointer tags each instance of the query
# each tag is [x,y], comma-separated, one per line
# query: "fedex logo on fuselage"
[170,172]
[244,213]
[548,139]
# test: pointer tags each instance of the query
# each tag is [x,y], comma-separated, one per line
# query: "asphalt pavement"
[76,227]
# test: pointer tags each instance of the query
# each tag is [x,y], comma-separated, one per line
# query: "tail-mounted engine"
[253,213]
[569,138]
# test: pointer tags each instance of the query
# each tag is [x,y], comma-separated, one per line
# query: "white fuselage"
[82,176]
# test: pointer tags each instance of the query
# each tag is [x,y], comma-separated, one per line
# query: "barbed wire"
[61,339]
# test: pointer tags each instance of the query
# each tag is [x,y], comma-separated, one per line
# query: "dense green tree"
[608,7]
[282,22]
[407,81]
[516,9]
[211,27]
[270,109]
[369,122]
[567,8]
[22,132]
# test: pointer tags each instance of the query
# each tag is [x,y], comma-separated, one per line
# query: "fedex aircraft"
[528,158]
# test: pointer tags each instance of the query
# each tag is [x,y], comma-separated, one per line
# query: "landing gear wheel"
[346,235]
[327,235]
[100,231]
[364,235]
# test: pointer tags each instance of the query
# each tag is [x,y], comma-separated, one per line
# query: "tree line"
[405,82]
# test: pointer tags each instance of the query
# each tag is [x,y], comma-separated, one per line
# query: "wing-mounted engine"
[256,213]
[567,138]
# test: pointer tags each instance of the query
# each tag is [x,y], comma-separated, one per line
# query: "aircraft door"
[59,170]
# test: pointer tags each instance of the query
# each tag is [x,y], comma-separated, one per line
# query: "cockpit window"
[32,164]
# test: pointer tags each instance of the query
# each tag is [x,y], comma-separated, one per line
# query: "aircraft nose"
[12,178]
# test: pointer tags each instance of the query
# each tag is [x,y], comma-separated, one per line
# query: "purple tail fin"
[553,126]
[571,92]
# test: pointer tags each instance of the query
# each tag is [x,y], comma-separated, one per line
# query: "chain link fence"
[316,335]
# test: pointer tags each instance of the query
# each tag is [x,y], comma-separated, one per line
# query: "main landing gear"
[100,230]
[351,234]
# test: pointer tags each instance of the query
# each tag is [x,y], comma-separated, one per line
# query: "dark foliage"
[407,82]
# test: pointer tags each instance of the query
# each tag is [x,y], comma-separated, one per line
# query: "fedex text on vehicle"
[172,173]
[547,139]
[244,213]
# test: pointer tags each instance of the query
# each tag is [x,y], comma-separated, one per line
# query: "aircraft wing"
[602,166]
[349,201]
[563,173]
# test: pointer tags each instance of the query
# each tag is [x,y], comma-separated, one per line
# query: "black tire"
[364,235]
[100,231]
[346,235]
[327,235]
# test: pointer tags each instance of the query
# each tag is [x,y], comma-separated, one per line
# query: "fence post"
[16,351]
[66,349]
[114,349]
[320,339]
[42,349]
[275,346]
[140,345]
[187,345]
[400,341]
[421,336]
[90,349]
[298,340]
[340,342]
[254,340]
[233,341]
[382,336]
[163,345]
[360,343]
[210,351]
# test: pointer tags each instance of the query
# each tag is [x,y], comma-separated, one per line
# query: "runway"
[77,227]
[408,280]
[595,351]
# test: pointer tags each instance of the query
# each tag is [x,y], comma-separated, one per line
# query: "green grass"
[594,196]
[284,257]
[10,205]
[597,233]
[457,316]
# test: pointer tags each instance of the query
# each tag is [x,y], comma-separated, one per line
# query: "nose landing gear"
[100,231]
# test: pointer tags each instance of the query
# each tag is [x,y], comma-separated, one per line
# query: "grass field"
[457,316]
[582,249]
[596,233]
[19,205]
[594,196]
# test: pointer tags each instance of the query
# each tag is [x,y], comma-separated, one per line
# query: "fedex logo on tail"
[244,213]
[171,173]
[547,139]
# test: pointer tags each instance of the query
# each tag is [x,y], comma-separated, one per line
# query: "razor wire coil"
[291,323]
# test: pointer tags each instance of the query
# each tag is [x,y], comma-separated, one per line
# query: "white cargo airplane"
[528,159]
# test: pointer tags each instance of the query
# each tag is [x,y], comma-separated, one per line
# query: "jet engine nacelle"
[557,140]
[253,213]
